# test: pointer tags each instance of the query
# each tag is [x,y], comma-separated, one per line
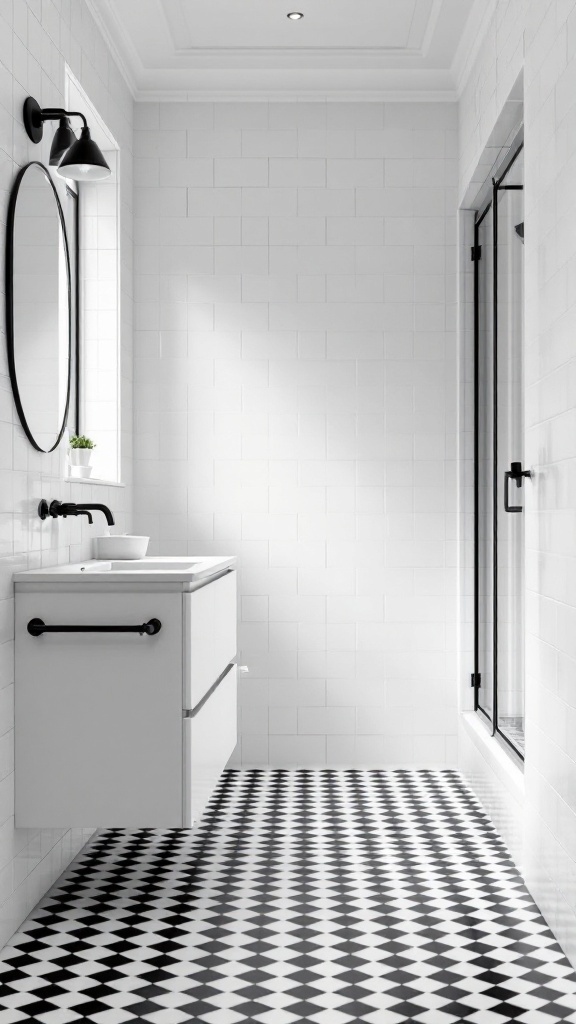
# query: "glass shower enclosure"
[499,472]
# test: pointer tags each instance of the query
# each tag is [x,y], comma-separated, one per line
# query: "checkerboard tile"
[319,896]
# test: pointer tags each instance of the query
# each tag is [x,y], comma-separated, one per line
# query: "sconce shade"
[63,138]
[84,160]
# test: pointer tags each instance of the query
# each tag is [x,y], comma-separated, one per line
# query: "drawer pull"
[37,626]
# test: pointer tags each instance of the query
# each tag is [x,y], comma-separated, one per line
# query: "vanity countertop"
[173,569]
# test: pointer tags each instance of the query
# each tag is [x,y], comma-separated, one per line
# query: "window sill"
[91,480]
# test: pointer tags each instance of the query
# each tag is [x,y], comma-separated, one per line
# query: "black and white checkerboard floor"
[322,896]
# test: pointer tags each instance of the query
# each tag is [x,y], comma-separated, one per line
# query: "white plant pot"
[80,456]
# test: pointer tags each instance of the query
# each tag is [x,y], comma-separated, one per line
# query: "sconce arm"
[53,113]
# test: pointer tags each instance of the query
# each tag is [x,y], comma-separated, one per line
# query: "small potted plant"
[80,453]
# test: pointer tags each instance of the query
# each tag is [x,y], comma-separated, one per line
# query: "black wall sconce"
[81,158]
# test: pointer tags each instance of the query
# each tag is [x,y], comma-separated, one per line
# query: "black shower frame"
[489,207]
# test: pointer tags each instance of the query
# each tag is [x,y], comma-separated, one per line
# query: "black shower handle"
[514,473]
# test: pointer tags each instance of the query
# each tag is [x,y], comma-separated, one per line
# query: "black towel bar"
[37,626]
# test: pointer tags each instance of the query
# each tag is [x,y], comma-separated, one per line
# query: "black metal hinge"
[476,253]
[475,679]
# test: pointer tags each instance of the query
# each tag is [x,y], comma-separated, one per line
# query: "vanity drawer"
[209,636]
[209,739]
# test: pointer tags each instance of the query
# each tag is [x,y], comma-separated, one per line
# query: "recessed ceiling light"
[295,15]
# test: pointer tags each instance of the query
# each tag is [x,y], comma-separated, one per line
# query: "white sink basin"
[156,564]
[153,570]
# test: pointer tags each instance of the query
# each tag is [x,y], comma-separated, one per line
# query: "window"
[100,335]
[97,377]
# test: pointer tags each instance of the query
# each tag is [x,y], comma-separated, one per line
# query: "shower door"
[499,472]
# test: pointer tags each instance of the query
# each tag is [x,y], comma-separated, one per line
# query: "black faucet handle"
[56,509]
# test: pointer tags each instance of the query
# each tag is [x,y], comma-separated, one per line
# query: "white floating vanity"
[125,691]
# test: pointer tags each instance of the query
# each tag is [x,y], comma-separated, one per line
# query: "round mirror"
[38,307]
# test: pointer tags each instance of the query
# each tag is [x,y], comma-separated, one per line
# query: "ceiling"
[232,48]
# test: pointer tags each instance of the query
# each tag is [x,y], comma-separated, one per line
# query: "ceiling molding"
[434,84]
[179,31]
[213,52]
[471,40]
[291,96]
[332,64]
[431,27]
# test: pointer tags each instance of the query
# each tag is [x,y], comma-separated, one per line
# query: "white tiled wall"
[295,404]
[36,38]
[491,84]
[551,451]
[547,30]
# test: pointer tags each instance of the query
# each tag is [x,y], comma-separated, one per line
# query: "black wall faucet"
[87,507]
[70,508]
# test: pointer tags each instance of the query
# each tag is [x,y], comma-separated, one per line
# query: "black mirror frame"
[10,304]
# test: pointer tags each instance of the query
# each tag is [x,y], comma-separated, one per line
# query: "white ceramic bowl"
[119,547]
